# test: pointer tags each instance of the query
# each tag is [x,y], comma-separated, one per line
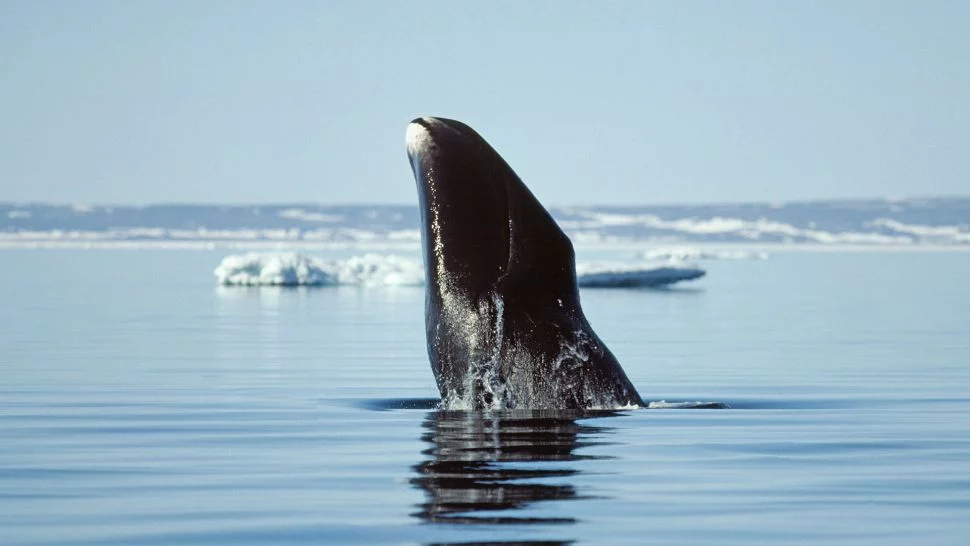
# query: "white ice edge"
[754,230]
[690,253]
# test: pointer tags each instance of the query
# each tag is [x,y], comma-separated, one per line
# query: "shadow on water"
[388,404]
[488,469]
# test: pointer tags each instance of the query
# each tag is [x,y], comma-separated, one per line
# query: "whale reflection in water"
[487,468]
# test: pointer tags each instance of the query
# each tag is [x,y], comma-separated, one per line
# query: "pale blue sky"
[591,102]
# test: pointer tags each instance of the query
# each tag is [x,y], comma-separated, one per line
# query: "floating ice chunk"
[686,253]
[285,269]
[292,269]
[379,270]
[619,274]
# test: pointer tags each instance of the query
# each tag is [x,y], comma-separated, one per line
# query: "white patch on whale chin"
[418,139]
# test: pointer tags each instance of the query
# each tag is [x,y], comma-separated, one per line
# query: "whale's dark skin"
[505,329]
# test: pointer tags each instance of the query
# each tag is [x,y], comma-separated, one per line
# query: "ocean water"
[142,404]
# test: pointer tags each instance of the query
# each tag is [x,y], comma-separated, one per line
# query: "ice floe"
[623,274]
[293,269]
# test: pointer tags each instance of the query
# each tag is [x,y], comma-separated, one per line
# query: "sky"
[605,103]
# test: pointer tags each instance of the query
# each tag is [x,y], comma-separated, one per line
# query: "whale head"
[504,326]
[482,225]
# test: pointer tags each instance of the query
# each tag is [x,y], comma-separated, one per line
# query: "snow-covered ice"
[293,269]
[879,223]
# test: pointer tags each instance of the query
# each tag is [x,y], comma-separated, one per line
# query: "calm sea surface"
[141,404]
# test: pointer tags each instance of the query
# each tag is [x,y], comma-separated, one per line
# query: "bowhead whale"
[505,329]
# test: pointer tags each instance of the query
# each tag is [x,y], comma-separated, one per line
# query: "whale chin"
[505,329]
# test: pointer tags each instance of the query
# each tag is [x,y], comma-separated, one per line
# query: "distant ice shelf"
[293,269]
[882,223]
[686,253]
